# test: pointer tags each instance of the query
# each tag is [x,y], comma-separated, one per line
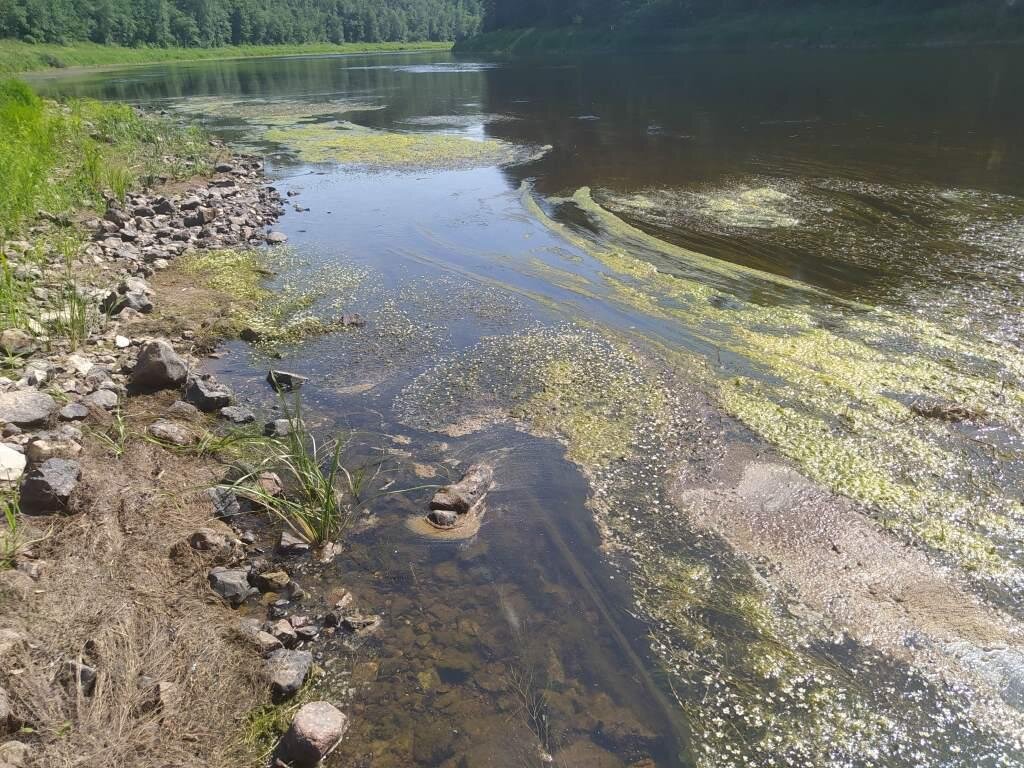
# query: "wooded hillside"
[211,23]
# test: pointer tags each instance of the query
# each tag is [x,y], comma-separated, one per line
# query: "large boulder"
[317,729]
[206,393]
[48,487]
[26,408]
[158,367]
[287,671]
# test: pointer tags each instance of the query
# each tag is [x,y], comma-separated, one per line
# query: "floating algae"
[828,385]
[757,684]
[276,112]
[350,144]
[952,255]
[743,207]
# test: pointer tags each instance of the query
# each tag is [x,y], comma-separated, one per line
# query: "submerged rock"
[285,381]
[317,729]
[453,501]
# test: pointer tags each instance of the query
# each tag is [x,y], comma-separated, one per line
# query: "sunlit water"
[660,262]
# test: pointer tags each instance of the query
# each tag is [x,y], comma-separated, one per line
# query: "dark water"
[869,205]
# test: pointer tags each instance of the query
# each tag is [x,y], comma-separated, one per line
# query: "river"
[708,316]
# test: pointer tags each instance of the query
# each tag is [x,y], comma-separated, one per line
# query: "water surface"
[655,260]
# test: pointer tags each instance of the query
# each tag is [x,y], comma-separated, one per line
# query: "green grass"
[822,26]
[17,56]
[10,534]
[322,493]
[63,158]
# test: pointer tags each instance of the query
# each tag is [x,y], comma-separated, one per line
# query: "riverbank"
[127,545]
[812,28]
[17,56]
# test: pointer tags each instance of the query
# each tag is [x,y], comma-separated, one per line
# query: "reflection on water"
[812,242]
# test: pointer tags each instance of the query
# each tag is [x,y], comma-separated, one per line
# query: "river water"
[647,290]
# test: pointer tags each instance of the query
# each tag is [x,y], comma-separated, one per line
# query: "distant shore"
[17,56]
[813,28]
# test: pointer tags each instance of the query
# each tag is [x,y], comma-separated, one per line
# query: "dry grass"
[113,597]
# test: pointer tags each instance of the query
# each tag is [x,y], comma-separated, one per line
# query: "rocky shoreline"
[69,413]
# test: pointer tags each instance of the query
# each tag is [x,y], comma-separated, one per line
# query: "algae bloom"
[351,144]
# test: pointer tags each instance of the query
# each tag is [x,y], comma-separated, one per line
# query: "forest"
[213,23]
[519,14]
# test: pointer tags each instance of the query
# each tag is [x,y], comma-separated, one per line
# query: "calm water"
[807,240]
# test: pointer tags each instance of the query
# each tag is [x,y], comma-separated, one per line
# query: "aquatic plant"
[321,495]
[271,315]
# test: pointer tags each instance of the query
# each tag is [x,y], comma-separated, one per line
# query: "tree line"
[212,23]
[520,14]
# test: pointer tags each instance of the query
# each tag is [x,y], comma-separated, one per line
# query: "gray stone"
[277,238]
[26,408]
[172,432]
[290,544]
[12,464]
[277,428]
[252,630]
[179,409]
[236,414]
[287,671]
[158,367]
[232,584]
[73,412]
[102,398]
[221,543]
[318,727]
[284,632]
[206,393]
[285,381]
[225,503]
[48,487]
[15,341]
